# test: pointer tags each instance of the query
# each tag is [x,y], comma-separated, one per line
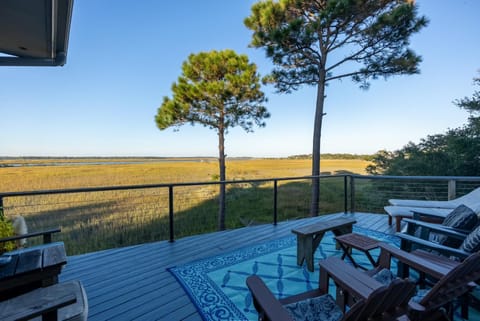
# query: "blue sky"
[124,55]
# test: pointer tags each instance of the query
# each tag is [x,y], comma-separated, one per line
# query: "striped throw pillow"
[471,243]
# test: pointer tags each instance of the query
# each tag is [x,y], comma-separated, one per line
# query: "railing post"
[47,238]
[275,190]
[345,195]
[352,195]
[452,189]
[1,207]
[170,212]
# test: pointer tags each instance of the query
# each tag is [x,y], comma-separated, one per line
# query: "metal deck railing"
[104,217]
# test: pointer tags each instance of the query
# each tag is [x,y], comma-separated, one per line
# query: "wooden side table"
[309,237]
[360,242]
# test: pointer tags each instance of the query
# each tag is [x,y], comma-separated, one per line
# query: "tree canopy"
[219,90]
[312,42]
[454,153]
[471,104]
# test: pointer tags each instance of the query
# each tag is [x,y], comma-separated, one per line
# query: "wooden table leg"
[341,231]
[341,296]
[323,280]
[301,244]
[346,252]
[370,258]
[398,223]
[312,247]
[306,246]
[403,270]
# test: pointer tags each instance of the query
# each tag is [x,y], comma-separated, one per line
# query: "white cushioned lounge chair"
[471,200]
[406,208]
[400,212]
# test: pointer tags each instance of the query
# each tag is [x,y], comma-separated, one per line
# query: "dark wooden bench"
[62,301]
[310,236]
[27,269]
[29,285]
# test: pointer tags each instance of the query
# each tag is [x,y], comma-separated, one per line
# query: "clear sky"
[124,55]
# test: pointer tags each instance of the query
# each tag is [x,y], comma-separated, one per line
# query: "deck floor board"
[133,283]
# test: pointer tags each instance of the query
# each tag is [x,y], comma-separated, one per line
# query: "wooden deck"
[133,283]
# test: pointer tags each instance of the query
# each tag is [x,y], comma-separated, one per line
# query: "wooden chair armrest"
[435,219]
[266,301]
[407,241]
[349,279]
[47,236]
[437,228]
[416,262]
[459,231]
[429,217]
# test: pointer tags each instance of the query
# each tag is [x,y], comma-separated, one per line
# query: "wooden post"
[275,195]
[170,210]
[47,238]
[352,195]
[452,189]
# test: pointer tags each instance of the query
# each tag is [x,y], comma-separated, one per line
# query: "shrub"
[6,230]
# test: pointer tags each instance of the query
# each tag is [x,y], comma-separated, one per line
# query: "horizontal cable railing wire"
[98,218]
[371,193]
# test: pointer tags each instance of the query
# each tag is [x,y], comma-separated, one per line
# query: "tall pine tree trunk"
[221,164]
[317,134]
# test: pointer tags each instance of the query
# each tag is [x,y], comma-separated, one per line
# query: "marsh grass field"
[100,220]
[36,174]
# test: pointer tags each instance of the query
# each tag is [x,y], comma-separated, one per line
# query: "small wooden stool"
[360,242]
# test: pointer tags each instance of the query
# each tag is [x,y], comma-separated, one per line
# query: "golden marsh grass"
[31,178]
[99,220]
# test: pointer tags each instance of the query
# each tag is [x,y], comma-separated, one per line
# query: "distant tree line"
[454,153]
[334,156]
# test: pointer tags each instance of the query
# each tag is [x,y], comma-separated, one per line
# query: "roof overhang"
[34,32]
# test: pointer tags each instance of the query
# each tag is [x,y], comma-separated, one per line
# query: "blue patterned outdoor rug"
[217,285]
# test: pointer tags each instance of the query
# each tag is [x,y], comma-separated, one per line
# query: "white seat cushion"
[406,211]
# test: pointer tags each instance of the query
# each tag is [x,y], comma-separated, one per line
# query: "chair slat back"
[453,284]
[383,303]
